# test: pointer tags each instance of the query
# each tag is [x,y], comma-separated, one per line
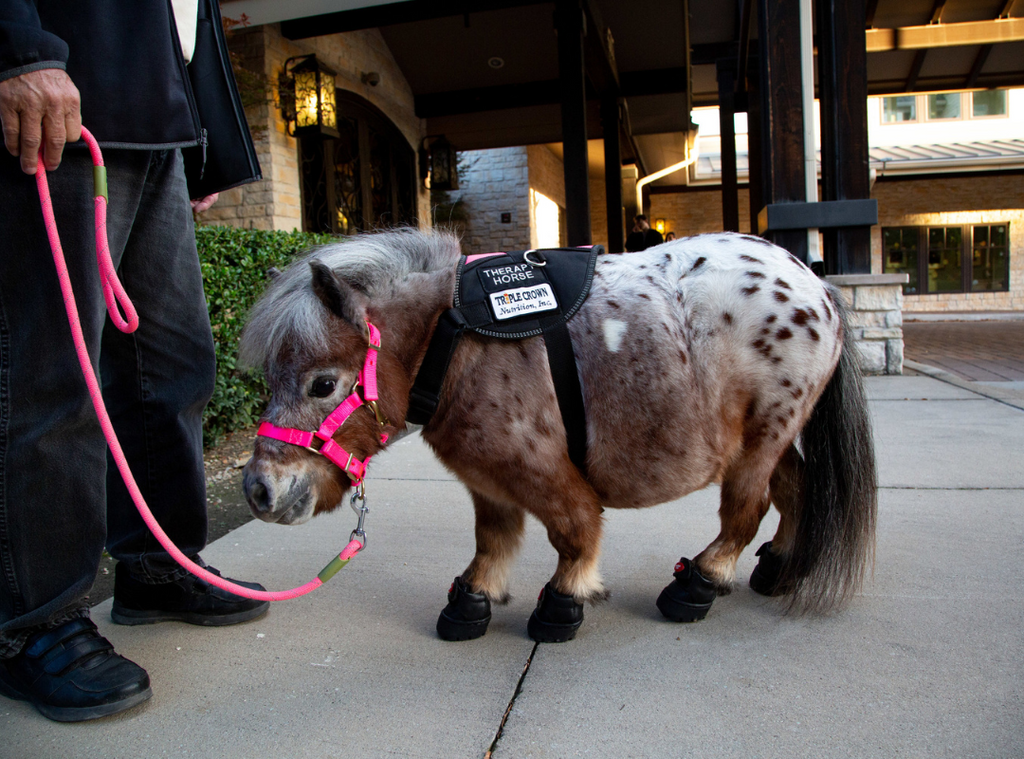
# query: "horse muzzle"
[288,499]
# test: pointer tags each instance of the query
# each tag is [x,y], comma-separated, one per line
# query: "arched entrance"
[364,179]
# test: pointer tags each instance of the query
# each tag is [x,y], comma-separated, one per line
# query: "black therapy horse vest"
[513,296]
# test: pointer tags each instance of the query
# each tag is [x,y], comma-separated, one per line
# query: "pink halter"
[321,441]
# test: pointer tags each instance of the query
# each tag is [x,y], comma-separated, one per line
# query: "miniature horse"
[717,358]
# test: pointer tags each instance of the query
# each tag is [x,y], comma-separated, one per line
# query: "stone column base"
[876,303]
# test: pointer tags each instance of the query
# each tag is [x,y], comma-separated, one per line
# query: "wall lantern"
[659,224]
[307,92]
[444,173]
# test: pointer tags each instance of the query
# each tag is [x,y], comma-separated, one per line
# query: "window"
[945,245]
[991,260]
[973,258]
[944,106]
[363,179]
[988,103]
[899,255]
[897,109]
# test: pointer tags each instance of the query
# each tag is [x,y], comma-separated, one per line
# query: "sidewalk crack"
[511,703]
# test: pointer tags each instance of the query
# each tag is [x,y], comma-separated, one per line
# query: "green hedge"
[235,263]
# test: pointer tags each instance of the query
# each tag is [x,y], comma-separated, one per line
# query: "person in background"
[122,68]
[670,236]
[642,237]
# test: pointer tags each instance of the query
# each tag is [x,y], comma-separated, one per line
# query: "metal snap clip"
[540,258]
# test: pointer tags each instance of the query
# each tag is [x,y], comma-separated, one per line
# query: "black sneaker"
[189,599]
[71,673]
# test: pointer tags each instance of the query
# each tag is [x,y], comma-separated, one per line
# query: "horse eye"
[322,387]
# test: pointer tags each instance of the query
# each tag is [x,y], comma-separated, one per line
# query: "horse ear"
[340,299]
[273,273]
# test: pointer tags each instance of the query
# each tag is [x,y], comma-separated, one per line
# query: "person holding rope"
[120,67]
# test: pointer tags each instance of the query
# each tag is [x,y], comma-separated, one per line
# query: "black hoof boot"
[467,614]
[556,618]
[688,597]
[765,579]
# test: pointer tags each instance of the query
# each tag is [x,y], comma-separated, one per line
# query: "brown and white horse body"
[700,360]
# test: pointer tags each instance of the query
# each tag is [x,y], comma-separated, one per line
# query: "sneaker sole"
[123,616]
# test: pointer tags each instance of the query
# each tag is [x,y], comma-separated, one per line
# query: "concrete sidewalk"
[929,661]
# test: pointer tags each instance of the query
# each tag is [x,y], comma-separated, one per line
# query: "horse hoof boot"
[556,618]
[766,575]
[689,596]
[467,614]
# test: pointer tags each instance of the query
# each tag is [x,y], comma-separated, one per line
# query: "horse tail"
[835,530]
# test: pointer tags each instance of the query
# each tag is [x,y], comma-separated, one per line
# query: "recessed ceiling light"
[496,62]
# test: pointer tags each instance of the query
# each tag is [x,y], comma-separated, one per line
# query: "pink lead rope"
[115,295]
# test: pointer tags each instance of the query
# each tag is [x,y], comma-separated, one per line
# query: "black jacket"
[125,58]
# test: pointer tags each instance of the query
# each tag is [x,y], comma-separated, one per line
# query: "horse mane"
[376,264]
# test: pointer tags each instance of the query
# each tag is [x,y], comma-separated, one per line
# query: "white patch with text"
[523,300]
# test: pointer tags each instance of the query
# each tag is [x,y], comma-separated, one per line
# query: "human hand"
[201,204]
[40,109]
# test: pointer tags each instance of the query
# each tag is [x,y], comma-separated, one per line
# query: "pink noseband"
[321,441]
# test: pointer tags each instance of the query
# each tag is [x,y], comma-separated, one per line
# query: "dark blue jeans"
[61,498]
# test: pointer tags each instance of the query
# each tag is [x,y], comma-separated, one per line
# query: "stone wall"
[695,212]
[547,176]
[876,303]
[494,182]
[275,202]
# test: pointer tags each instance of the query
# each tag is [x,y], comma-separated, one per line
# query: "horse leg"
[574,525]
[744,502]
[499,532]
[787,494]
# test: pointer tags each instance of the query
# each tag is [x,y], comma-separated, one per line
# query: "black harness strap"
[426,390]
[562,361]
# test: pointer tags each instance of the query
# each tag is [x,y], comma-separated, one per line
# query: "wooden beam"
[872,8]
[998,80]
[612,174]
[569,20]
[391,13]
[782,123]
[600,64]
[744,44]
[946,35]
[842,84]
[480,99]
[979,63]
[915,70]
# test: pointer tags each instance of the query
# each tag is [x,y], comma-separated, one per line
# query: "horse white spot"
[614,331]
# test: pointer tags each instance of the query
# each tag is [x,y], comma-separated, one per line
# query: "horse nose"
[257,494]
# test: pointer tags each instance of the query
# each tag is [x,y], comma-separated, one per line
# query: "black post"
[726,112]
[571,74]
[755,160]
[843,88]
[782,125]
[612,173]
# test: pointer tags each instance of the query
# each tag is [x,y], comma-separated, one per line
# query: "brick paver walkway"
[976,351]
